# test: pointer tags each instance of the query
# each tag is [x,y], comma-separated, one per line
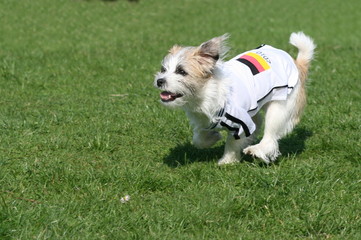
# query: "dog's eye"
[163,70]
[181,71]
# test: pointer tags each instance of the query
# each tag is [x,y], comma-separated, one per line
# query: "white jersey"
[257,77]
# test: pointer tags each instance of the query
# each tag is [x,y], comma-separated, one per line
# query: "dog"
[228,95]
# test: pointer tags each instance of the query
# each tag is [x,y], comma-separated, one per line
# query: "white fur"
[305,45]
[203,97]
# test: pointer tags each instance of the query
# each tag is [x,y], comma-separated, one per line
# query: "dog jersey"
[256,77]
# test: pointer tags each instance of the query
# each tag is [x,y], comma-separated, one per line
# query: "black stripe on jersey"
[253,68]
[285,86]
[262,45]
[239,121]
[236,130]
[213,125]
[220,114]
[262,98]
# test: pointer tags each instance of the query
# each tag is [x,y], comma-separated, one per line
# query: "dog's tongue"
[167,96]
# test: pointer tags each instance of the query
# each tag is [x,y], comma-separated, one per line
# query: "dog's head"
[186,70]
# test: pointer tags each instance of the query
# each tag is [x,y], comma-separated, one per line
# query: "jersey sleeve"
[238,121]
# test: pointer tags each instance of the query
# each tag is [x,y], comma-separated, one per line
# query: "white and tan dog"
[217,94]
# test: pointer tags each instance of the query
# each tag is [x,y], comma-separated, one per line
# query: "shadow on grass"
[292,144]
[187,154]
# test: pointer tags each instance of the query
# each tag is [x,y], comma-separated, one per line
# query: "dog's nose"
[160,82]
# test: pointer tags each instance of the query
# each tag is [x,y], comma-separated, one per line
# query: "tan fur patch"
[197,65]
[302,66]
[175,49]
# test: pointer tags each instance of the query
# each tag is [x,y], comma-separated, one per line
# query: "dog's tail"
[306,48]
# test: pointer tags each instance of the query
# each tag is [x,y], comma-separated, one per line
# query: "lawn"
[81,125]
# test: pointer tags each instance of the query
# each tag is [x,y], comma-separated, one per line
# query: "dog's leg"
[232,151]
[233,147]
[205,138]
[267,149]
[280,118]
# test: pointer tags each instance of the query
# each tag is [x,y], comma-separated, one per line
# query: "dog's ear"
[216,48]
[175,49]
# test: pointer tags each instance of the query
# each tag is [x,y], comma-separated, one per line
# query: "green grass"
[81,125]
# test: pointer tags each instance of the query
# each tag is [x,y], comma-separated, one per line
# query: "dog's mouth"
[169,96]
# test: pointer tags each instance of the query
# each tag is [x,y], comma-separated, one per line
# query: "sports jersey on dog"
[257,77]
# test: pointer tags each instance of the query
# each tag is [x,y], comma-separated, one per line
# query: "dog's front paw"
[258,151]
[228,160]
